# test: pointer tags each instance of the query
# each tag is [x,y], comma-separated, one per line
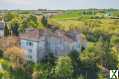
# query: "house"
[38,43]
[2,26]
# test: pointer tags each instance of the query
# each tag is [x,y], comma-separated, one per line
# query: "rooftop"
[35,34]
[32,34]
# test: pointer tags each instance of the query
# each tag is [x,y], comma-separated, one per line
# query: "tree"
[16,56]
[1,18]
[36,75]
[9,16]
[101,75]
[63,68]
[24,25]
[88,59]
[40,71]
[1,53]
[99,57]
[44,21]
[15,25]
[6,30]
[114,40]
[81,77]
[5,69]
[32,21]
[115,54]
[14,29]
[7,42]
[49,59]
[74,55]
[32,18]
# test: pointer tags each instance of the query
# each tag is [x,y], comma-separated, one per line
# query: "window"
[30,50]
[78,46]
[29,56]
[29,43]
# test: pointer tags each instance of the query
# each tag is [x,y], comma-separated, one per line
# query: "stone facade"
[2,25]
[39,43]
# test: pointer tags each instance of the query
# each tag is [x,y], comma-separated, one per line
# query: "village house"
[2,26]
[38,43]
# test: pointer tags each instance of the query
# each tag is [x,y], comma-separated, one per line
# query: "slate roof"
[32,34]
[35,34]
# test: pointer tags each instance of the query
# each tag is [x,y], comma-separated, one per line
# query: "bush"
[1,53]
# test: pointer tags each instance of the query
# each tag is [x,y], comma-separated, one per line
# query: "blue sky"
[58,4]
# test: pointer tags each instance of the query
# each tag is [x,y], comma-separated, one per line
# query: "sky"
[58,4]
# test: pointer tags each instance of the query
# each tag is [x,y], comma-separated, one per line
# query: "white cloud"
[23,2]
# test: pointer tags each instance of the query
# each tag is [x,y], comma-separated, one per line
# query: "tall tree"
[14,29]
[9,16]
[6,30]
[1,53]
[64,68]
[16,56]
[44,21]
[5,69]
[74,55]
[32,21]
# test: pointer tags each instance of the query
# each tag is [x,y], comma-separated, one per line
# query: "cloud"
[58,4]
[23,2]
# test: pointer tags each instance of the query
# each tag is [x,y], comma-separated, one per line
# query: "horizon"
[57,5]
[63,9]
